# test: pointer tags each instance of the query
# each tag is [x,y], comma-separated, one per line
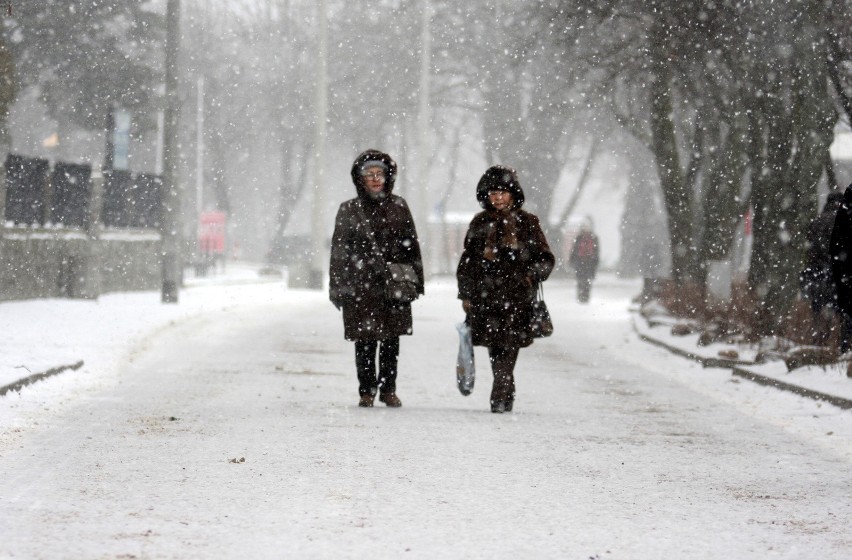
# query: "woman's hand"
[466,305]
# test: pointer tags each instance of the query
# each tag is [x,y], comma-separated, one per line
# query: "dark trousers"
[584,288]
[503,362]
[365,363]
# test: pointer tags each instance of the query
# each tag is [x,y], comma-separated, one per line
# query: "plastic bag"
[465,369]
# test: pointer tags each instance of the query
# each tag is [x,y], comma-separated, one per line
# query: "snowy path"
[612,451]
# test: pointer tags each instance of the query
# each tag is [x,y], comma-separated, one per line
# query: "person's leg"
[584,287]
[503,367]
[511,361]
[365,364]
[388,359]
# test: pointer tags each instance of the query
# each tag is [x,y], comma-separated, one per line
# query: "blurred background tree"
[86,56]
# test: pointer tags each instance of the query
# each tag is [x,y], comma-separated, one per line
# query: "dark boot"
[503,390]
[500,394]
[390,399]
[366,400]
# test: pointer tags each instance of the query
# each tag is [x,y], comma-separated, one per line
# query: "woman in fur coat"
[505,257]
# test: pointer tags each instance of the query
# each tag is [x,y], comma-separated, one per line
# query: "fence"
[35,196]
[67,233]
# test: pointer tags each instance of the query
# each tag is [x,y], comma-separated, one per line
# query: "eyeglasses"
[380,177]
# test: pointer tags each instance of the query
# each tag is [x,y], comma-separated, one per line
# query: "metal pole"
[6,66]
[199,148]
[424,198]
[171,199]
[91,287]
[318,259]
[158,161]
[4,152]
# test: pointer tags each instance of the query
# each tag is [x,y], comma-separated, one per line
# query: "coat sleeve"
[466,269]
[837,245]
[340,287]
[411,246]
[597,252]
[542,260]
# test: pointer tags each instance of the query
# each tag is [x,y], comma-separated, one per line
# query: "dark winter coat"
[356,273]
[816,278]
[840,249]
[501,283]
[585,255]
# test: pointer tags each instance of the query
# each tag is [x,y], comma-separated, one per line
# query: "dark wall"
[38,263]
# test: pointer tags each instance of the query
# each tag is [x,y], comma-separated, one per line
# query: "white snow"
[830,380]
[226,425]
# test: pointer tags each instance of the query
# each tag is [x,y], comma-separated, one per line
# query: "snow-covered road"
[235,433]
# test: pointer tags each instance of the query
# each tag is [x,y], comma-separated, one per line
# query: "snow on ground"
[226,425]
[41,334]
[829,380]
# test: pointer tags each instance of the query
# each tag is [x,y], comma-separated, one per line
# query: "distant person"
[584,259]
[840,250]
[505,257]
[374,218]
[817,281]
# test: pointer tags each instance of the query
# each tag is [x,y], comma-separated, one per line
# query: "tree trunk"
[676,195]
[8,91]
[792,132]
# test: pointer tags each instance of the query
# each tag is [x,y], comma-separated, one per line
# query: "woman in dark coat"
[357,273]
[504,259]
[816,279]
[840,251]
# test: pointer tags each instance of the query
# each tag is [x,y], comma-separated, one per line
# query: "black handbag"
[401,281]
[542,325]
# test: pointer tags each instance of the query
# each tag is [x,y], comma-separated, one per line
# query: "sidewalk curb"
[29,380]
[839,402]
[738,370]
[703,360]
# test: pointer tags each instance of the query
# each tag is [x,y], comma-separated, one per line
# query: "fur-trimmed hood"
[500,178]
[373,155]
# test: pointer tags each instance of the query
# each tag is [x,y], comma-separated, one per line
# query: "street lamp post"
[317,265]
[171,198]
[424,199]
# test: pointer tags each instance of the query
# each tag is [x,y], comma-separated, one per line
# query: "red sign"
[211,233]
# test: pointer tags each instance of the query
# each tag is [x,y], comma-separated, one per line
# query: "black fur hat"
[500,178]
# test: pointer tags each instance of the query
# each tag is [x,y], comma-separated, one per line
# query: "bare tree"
[731,100]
